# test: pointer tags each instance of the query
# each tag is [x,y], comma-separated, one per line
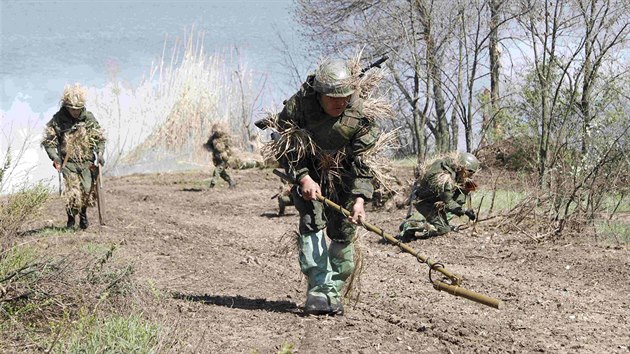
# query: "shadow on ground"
[240,302]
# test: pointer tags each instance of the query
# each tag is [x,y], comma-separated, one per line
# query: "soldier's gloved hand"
[100,159]
[471,214]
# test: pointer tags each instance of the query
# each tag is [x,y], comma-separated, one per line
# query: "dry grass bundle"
[74,96]
[81,142]
[380,164]
[353,283]
[292,142]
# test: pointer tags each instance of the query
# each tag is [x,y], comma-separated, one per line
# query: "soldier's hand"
[358,212]
[57,164]
[310,189]
[471,214]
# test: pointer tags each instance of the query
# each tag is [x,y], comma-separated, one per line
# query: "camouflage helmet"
[332,78]
[468,161]
[73,96]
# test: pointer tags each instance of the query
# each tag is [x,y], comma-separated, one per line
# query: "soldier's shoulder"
[56,118]
[89,116]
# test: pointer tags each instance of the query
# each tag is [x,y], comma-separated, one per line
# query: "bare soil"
[226,267]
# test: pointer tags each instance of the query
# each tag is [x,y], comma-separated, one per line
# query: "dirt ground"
[227,268]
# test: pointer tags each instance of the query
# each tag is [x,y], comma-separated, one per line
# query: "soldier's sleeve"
[363,141]
[291,164]
[51,141]
[448,196]
[98,133]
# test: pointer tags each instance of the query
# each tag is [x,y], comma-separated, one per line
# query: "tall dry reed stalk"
[172,110]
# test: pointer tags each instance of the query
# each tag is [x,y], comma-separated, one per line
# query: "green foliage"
[157,294]
[113,334]
[14,259]
[97,248]
[51,231]
[21,207]
[614,230]
[504,200]
[287,348]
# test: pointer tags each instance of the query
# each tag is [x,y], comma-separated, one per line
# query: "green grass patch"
[51,231]
[614,230]
[113,334]
[622,204]
[99,249]
[410,161]
[503,200]
[15,258]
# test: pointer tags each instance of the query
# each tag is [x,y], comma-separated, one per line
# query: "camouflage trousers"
[220,170]
[326,266]
[427,221]
[314,216]
[80,191]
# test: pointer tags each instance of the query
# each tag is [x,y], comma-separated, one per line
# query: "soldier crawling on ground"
[71,139]
[439,192]
[220,145]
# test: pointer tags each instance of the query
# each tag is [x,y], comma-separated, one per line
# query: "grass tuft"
[113,334]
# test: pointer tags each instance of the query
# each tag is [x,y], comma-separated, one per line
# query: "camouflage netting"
[296,142]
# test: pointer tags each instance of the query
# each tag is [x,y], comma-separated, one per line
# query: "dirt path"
[230,282]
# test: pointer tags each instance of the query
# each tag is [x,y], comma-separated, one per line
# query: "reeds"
[172,110]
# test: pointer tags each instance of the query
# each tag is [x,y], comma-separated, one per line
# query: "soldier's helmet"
[468,161]
[333,78]
[74,96]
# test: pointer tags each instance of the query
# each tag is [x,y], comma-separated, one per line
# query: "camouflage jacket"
[219,144]
[77,138]
[346,138]
[437,186]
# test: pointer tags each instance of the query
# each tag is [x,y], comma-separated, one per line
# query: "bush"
[19,208]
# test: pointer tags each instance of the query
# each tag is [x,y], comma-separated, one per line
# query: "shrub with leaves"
[20,207]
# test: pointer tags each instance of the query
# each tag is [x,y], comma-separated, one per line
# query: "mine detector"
[450,283]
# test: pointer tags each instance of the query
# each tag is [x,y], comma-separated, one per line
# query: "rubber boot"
[316,305]
[83,220]
[336,307]
[70,223]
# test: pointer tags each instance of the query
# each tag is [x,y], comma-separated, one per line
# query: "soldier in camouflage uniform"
[285,199]
[220,145]
[71,139]
[327,111]
[438,193]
